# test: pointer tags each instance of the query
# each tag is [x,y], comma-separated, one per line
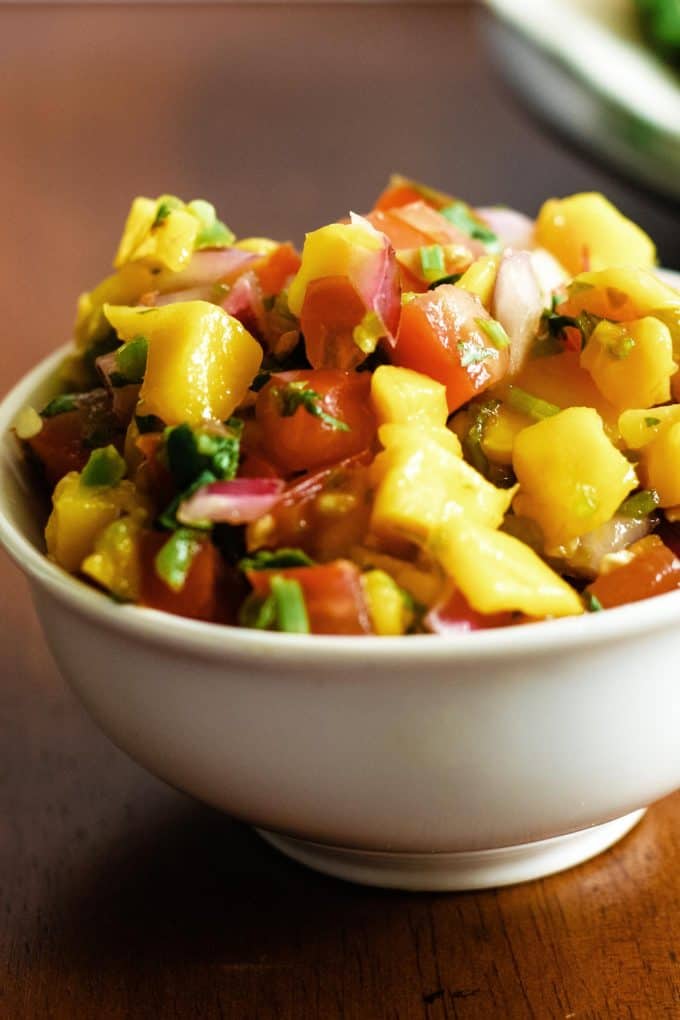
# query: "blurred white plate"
[583,65]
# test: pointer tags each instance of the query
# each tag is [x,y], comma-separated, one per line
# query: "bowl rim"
[213,640]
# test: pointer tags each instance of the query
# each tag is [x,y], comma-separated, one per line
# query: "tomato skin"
[396,195]
[456,615]
[433,326]
[199,598]
[276,269]
[153,476]
[302,442]
[332,309]
[654,570]
[303,519]
[59,446]
[333,595]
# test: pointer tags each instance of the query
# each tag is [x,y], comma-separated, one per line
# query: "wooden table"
[120,898]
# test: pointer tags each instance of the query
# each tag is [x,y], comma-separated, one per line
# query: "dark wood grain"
[120,898]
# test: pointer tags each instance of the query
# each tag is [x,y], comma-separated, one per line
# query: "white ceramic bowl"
[418,762]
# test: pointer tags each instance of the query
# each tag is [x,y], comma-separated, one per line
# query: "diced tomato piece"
[440,335]
[331,311]
[333,595]
[153,475]
[457,615]
[396,195]
[255,466]
[60,446]
[326,513]
[303,442]
[399,231]
[276,269]
[199,598]
[655,569]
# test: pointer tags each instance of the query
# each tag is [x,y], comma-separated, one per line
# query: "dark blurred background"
[285,116]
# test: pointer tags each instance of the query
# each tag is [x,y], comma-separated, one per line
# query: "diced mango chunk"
[631,362]
[500,432]
[114,562]
[158,230]
[660,466]
[620,294]
[332,250]
[386,606]
[412,437]
[571,477]
[80,513]
[480,278]
[498,573]
[425,583]
[419,488]
[560,379]
[640,427]
[404,397]
[586,230]
[200,361]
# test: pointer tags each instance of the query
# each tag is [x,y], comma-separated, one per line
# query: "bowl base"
[449,872]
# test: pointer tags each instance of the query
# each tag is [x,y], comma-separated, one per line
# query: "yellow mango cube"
[80,513]
[497,573]
[631,363]
[571,477]
[480,278]
[161,231]
[424,582]
[386,606]
[500,432]
[660,465]
[638,428]
[200,360]
[331,251]
[114,561]
[404,397]
[561,380]
[586,229]
[417,488]
[412,437]
[621,294]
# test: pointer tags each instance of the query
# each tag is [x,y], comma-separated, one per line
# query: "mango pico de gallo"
[434,418]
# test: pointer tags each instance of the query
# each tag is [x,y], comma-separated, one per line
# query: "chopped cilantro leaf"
[298,394]
[494,332]
[651,422]
[640,504]
[593,604]
[279,559]
[60,405]
[462,217]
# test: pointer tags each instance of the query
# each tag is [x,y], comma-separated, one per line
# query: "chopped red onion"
[240,501]
[244,302]
[518,305]
[512,228]
[219,265]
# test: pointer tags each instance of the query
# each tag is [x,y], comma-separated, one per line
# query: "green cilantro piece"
[651,422]
[291,611]
[472,354]
[530,405]
[148,423]
[218,235]
[279,559]
[131,359]
[593,604]
[196,458]
[184,460]
[451,278]
[432,262]
[494,332]
[640,504]
[168,518]
[105,467]
[174,559]
[60,405]
[163,210]
[299,394]
[462,217]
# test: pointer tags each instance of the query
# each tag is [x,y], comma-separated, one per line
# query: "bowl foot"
[448,872]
